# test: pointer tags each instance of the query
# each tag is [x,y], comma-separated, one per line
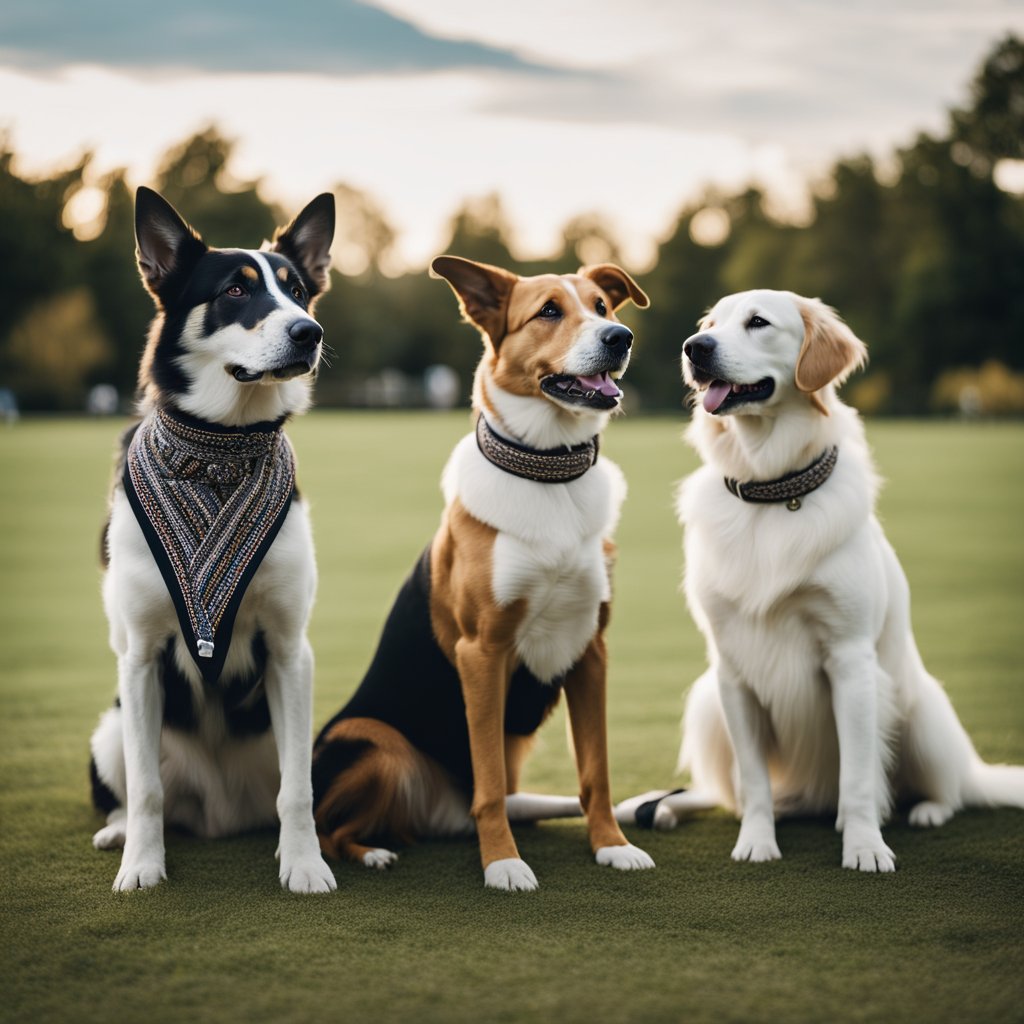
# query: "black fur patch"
[102,795]
[414,688]
[179,705]
[242,698]
[246,710]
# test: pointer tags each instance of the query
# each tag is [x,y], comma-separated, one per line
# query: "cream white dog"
[816,699]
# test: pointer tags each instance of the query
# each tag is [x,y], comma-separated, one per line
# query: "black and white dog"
[210,573]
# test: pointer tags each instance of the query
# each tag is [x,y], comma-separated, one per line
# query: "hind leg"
[111,836]
[369,781]
[340,844]
[935,756]
[108,785]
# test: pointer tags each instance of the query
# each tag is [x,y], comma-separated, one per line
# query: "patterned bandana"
[210,500]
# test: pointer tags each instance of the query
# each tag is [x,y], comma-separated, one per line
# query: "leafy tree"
[32,229]
[994,123]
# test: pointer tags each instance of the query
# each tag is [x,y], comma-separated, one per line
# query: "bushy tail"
[994,785]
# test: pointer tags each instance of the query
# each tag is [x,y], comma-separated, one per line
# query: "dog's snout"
[305,333]
[618,337]
[699,348]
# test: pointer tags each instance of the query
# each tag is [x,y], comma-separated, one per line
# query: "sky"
[563,107]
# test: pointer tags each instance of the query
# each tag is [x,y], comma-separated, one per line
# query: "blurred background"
[870,154]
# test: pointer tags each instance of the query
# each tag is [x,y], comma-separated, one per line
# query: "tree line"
[922,253]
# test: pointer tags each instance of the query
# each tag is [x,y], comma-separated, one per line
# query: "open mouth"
[246,376]
[598,391]
[720,395]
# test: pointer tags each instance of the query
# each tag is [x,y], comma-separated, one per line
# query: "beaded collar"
[789,488]
[210,500]
[543,465]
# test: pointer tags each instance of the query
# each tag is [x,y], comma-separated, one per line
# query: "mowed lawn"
[698,939]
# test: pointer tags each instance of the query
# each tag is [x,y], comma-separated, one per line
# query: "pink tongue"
[715,395]
[600,382]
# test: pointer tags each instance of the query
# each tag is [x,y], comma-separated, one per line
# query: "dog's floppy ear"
[830,350]
[483,292]
[307,243]
[616,284]
[165,245]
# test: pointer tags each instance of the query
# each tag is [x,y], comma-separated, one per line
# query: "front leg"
[484,672]
[853,671]
[142,862]
[289,682]
[585,691]
[744,718]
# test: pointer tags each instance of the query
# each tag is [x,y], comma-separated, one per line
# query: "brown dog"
[509,603]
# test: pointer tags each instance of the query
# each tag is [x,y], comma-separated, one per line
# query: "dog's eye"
[236,291]
[757,321]
[298,293]
[550,311]
[602,309]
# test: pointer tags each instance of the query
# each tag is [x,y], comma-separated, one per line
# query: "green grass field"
[698,939]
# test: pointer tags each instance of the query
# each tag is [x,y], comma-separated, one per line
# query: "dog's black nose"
[618,337]
[305,333]
[699,348]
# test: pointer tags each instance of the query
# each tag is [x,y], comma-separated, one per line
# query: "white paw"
[510,874]
[929,814]
[625,858]
[871,857]
[379,858]
[110,837]
[665,818]
[307,875]
[756,846]
[139,875]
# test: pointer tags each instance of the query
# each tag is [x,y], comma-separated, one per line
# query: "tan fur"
[374,791]
[518,355]
[479,638]
[830,351]
[616,284]
[532,347]
[251,273]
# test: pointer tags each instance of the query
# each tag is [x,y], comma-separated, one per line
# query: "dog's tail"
[994,785]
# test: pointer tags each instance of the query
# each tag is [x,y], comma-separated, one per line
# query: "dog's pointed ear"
[830,351]
[616,284]
[483,292]
[306,241]
[165,246]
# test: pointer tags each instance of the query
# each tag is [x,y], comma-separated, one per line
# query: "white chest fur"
[548,551]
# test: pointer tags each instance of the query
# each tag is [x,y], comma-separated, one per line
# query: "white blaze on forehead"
[270,279]
[571,289]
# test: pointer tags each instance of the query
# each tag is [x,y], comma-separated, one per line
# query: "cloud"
[830,78]
[340,37]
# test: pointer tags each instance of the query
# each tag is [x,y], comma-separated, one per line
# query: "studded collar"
[788,489]
[542,465]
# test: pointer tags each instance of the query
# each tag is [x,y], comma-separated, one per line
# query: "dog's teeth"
[737,388]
